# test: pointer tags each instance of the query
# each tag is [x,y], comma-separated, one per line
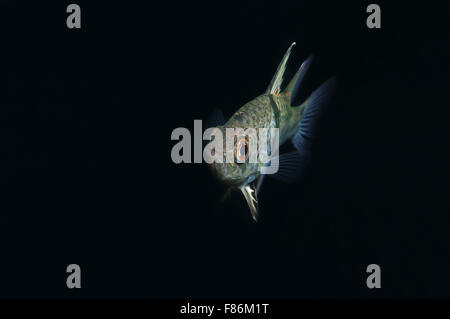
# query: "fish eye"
[241,149]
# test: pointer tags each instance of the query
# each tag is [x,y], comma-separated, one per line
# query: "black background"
[87,178]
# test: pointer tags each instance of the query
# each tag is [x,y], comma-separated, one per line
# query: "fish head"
[236,169]
[233,164]
[235,175]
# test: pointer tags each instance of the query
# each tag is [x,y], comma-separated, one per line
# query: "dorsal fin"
[274,86]
[297,80]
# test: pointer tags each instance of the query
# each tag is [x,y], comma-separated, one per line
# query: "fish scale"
[273,109]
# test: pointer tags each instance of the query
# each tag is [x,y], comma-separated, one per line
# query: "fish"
[272,109]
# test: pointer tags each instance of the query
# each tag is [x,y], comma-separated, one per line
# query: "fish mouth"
[247,189]
[224,178]
[216,172]
[249,192]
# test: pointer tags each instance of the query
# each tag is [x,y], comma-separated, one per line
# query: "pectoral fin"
[259,182]
[249,192]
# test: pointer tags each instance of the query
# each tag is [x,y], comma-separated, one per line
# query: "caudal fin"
[292,164]
[314,107]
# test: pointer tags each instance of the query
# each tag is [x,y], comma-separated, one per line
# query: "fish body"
[273,109]
[269,111]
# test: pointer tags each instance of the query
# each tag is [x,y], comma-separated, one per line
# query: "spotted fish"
[273,109]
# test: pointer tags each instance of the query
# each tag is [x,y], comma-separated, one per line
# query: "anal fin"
[249,192]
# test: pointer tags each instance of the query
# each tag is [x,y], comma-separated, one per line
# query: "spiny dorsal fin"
[274,86]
